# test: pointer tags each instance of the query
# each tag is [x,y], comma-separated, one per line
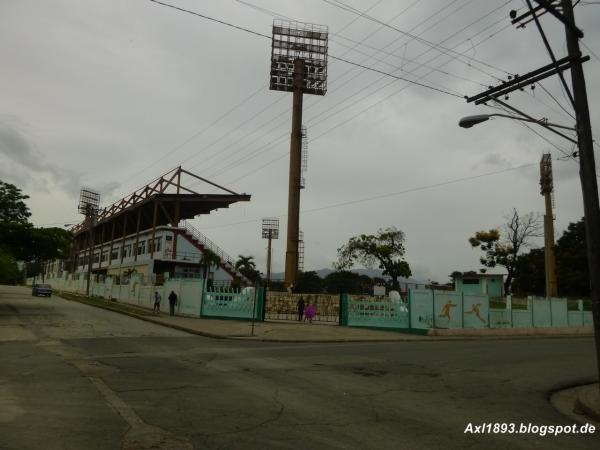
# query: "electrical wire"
[262,150]
[389,194]
[259,151]
[193,136]
[440,48]
[222,22]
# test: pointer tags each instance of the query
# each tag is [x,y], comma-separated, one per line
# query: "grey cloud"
[29,165]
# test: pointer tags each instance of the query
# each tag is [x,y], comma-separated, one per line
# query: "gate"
[284,306]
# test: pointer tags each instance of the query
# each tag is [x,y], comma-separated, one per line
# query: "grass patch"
[104,303]
[501,304]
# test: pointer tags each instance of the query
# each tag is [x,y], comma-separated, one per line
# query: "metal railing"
[227,261]
[207,243]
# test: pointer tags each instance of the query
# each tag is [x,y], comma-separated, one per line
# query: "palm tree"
[208,260]
[247,267]
[245,263]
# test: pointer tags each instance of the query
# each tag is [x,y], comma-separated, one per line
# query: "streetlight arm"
[542,121]
[527,118]
[469,121]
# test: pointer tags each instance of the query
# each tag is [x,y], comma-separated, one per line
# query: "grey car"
[41,289]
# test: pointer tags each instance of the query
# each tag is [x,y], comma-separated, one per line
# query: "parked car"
[41,289]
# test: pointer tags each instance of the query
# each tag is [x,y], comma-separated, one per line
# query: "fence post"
[462,308]
[259,305]
[264,304]
[409,309]
[433,307]
[202,295]
[343,309]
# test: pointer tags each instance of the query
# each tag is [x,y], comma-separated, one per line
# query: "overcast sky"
[110,94]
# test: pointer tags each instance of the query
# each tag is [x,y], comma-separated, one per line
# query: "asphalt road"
[77,377]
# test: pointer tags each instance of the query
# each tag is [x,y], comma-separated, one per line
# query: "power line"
[212,19]
[270,144]
[392,194]
[195,135]
[344,6]
[262,150]
[381,50]
[589,49]
[222,22]
[277,140]
[367,68]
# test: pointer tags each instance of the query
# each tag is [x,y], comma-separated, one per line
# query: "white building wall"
[187,252]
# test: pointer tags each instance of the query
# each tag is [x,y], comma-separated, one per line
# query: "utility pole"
[587,168]
[89,201]
[91,219]
[270,231]
[547,188]
[293,219]
[578,98]
[298,65]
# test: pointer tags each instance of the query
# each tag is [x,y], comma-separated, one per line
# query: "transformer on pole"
[547,190]
[298,65]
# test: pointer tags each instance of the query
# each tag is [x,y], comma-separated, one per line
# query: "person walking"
[157,299]
[311,312]
[172,302]
[300,306]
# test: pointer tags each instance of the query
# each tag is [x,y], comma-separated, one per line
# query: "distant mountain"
[369,272]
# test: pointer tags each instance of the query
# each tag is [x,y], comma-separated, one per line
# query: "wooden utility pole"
[587,168]
[298,65]
[270,231]
[547,188]
[293,220]
[269,253]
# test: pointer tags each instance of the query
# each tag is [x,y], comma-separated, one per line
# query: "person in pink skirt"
[310,312]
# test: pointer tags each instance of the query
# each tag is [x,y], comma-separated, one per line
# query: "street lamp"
[469,121]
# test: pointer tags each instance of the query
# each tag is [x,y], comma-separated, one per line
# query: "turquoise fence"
[447,309]
[232,304]
[427,309]
[541,313]
[374,312]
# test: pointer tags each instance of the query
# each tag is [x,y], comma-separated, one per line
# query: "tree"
[12,207]
[342,281]
[49,244]
[386,248]
[571,266]
[247,267]
[519,230]
[309,283]
[530,272]
[208,260]
[571,262]
[9,272]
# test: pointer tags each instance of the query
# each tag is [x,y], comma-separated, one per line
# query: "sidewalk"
[581,403]
[282,331]
[290,331]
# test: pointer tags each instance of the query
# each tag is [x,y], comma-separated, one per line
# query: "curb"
[421,338]
[588,401]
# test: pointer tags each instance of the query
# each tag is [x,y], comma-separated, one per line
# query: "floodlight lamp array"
[270,228]
[89,201]
[546,181]
[296,40]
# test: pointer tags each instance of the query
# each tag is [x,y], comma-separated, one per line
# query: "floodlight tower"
[547,190]
[298,65]
[270,230]
[89,202]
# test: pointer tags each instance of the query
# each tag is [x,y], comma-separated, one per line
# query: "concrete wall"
[189,291]
[486,285]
